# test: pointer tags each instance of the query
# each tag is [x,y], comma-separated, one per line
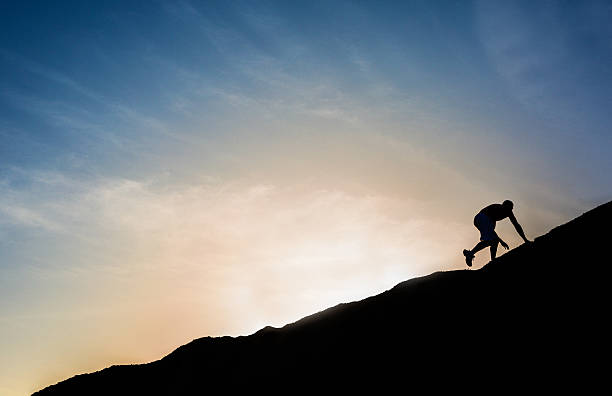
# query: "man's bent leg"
[469,254]
[494,250]
[481,245]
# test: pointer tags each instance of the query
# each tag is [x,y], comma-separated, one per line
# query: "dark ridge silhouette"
[534,319]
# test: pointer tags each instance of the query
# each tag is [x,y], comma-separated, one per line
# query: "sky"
[177,169]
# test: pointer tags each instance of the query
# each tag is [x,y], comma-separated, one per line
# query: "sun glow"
[249,254]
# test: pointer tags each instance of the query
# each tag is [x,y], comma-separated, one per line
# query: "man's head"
[507,204]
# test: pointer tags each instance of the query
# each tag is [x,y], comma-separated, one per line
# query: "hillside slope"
[533,316]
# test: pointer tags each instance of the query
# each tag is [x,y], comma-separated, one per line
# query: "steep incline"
[534,317]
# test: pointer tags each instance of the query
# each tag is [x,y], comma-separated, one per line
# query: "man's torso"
[495,212]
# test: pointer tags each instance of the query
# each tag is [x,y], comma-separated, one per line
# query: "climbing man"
[485,222]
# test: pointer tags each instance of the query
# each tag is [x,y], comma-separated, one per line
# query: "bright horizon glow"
[188,169]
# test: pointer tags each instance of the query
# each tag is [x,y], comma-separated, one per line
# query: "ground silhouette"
[534,319]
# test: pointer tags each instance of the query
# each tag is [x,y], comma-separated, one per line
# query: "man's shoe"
[469,256]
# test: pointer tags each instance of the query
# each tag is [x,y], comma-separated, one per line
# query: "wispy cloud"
[52,75]
[109,119]
[199,227]
[16,214]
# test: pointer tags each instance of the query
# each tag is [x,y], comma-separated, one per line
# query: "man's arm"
[504,244]
[518,227]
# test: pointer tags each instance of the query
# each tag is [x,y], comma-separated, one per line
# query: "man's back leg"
[494,250]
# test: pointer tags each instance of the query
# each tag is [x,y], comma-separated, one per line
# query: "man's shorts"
[486,226]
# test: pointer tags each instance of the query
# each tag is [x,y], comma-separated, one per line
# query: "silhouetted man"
[485,222]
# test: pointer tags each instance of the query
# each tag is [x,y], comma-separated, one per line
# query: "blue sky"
[220,166]
[89,81]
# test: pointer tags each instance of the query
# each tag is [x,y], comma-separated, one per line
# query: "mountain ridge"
[550,318]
